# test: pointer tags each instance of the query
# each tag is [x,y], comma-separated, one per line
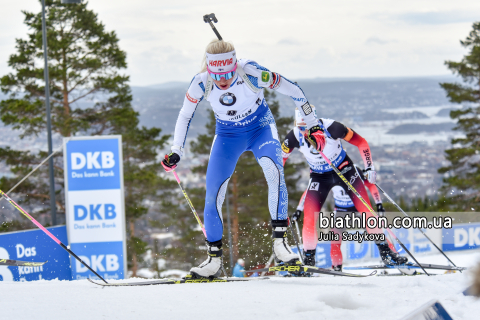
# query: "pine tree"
[248,193]
[462,184]
[89,96]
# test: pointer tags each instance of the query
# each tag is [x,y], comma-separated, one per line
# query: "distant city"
[405,120]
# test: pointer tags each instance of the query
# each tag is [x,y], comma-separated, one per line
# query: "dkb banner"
[35,246]
[95,205]
[462,237]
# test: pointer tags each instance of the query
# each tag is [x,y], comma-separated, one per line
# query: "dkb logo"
[82,212]
[91,160]
[101,262]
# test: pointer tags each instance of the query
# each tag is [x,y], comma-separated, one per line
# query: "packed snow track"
[324,297]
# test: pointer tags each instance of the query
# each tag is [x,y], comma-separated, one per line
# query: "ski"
[298,269]
[176,281]
[408,266]
[401,274]
[6,262]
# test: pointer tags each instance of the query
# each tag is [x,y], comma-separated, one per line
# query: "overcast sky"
[165,40]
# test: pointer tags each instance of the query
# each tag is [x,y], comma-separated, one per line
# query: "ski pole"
[368,206]
[25,213]
[406,215]
[31,172]
[209,18]
[190,204]
[298,232]
[194,212]
[296,240]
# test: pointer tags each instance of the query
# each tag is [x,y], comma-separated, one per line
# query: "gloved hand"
[316,136]
[296,215]
[170,161]
[380,210]
[370,174]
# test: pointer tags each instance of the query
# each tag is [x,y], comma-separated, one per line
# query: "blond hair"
[216,47]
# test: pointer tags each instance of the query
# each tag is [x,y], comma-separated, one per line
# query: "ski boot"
[284,256]
[212,267]
[308,260]
[389,257]
[337,268]
[281,249]
[309,257]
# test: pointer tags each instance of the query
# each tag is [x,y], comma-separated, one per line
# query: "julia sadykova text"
[356,236]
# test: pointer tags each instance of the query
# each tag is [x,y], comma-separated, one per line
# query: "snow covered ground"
[323,297]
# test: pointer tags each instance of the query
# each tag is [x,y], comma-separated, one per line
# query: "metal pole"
[406,215]
[229,232]
[296,240]
[49,125]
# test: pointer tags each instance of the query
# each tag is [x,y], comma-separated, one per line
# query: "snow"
[322,297]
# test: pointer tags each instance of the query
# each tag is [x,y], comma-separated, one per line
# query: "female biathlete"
[343,206]
[323,178]
[244,122]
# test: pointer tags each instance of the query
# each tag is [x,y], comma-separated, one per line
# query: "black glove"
[170,161]
[296,215]
[380,210]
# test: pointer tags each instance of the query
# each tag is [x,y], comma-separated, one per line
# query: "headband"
[221,62]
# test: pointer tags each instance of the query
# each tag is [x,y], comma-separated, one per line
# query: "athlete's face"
[224,84]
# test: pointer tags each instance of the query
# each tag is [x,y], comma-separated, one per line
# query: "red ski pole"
[25,213]
[190,204]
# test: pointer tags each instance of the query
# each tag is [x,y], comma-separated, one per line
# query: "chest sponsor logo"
[265,76]
[342,165]
[354,177]
[231,113]
[285,148]
[240,116]
[259,101]
[346,169]
[228,99]
[314,151]
[191,99]
[239,82]
[314,186]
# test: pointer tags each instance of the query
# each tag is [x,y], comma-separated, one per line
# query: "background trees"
[463,179]
[89,96]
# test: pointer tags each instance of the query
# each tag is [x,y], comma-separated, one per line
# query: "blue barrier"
[461,237]
[35,245]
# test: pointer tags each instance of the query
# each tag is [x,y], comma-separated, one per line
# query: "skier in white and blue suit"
[234,89]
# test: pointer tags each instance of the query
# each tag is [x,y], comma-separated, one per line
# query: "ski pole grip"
[209,18]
